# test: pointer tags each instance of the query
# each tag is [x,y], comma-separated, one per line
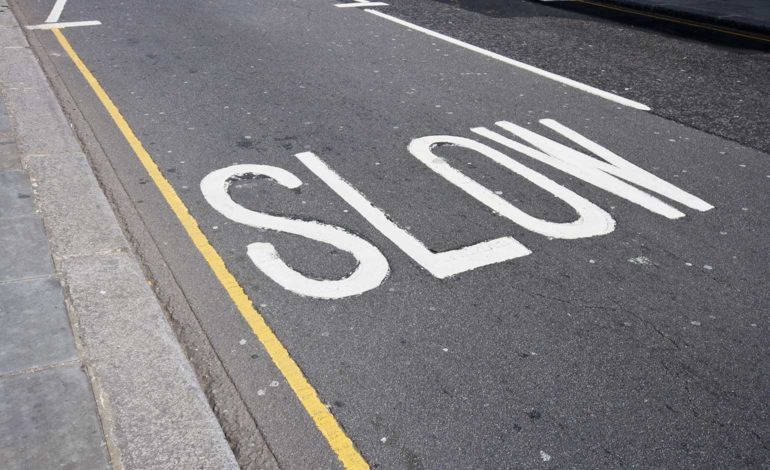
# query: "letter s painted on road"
[372,266]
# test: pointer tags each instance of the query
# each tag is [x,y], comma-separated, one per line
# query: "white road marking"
[627,170]
[607,172]
[587,173]
[372,266]
[543,73]
[592,220]
[361,5]
[441,265]
[71,24]
[53,17]
[611,163]
[596,172]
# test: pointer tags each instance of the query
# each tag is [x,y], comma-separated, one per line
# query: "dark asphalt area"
[643,348]
[741,15]
[704,79]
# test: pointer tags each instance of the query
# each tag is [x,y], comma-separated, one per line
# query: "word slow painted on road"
[609,172]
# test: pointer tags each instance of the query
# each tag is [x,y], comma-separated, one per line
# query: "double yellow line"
[339,442]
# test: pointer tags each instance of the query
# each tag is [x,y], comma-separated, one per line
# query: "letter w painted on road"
[605,174]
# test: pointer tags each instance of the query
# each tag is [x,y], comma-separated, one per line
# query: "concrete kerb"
[152,408]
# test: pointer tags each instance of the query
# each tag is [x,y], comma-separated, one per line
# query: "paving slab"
[23,249]
[5,121]
[15,194]
[31,101]
[9,154]
[9,35]
[46,131]
[5,20]
[48,420]
[35,329]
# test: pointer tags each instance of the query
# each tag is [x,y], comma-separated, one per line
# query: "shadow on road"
[586,12]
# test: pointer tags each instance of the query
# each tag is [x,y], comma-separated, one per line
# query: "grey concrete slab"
[48,420]
[6,17]
[41,127]
[15,194]
[23,249]
[159,415]
[5,122]
[9,35]
[9,154]
[16,71]
[35,329]
[78,217]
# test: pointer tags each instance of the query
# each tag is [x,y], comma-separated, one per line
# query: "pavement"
[91,374]
[622,325]
[48,415]
[747,15]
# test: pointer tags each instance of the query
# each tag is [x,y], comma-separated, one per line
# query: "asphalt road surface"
[477,264]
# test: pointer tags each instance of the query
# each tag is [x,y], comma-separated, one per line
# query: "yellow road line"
[339,442]
[696,24]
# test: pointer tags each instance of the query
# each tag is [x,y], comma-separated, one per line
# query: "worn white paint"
[372,266]
[71,24]
[441,265]
[529,68]
[606,173]
[592,220]
[643,260]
